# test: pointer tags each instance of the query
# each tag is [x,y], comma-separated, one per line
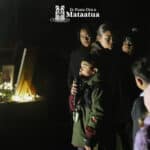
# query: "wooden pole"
[21,66]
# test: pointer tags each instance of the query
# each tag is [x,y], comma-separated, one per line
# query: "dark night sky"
[28,20]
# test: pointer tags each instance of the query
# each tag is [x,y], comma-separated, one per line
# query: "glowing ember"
[20,99]
[25,98]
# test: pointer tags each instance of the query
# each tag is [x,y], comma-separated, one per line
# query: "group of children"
[87,101]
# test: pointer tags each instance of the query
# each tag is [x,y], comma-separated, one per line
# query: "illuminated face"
[85,39]
[106,40]
[127,47]
[87,69]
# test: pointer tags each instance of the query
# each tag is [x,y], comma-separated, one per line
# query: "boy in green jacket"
[86,103]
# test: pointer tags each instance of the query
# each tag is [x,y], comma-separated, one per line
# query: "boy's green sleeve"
[97,111]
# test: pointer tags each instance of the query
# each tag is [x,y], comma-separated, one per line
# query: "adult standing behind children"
[117,96]
[101,49]
[84,36]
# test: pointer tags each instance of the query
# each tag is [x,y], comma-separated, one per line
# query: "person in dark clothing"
[78,54]
[118,87]
[141,71]
[130,45]
[125,92]
[102,50]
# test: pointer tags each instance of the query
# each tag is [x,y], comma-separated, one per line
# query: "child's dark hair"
[91,59]
[141,68]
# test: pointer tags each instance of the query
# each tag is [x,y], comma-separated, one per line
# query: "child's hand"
[74,88]
[87,147]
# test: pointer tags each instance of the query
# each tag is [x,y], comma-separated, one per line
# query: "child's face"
[87,69]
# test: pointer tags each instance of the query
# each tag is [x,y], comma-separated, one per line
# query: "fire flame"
[25,91]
